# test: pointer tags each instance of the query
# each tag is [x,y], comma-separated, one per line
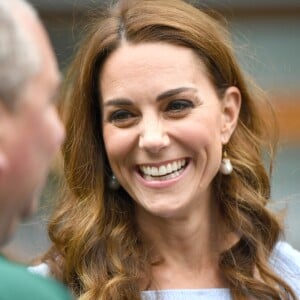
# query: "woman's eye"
[122,118]
[179,107]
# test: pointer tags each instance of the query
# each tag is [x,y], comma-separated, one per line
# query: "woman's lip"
[163,183]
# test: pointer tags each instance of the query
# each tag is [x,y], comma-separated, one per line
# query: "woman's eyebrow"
[118,102]
[163,95]
[174,92]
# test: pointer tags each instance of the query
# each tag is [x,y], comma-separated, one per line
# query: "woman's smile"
[162,175]
[163,171]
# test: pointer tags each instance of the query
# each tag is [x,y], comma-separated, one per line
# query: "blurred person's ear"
[3,163]
[231,104]
[3,127]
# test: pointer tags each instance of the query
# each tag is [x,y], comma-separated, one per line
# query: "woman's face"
[164,126]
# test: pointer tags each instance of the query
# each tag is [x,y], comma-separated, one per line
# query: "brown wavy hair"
[97,250]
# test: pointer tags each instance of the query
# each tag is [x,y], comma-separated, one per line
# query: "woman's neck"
[187,248]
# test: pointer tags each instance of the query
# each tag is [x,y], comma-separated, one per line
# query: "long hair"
[97,250]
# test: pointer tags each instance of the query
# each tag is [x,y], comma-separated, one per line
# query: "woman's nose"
[153,137]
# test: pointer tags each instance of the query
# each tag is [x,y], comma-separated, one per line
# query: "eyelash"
[179,106]
[121,115]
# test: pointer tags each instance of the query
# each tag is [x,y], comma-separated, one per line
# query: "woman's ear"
[231,104]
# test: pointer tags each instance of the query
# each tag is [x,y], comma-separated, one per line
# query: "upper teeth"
[163,169]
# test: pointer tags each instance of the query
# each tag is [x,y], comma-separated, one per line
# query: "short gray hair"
[19,56]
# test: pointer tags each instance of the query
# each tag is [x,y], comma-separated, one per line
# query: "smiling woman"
[162,123]
[165,188]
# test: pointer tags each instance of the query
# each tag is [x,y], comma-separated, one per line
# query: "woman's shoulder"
[285,261]
[287,256]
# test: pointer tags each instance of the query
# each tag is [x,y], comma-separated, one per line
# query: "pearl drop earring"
[113,183]
[226,166]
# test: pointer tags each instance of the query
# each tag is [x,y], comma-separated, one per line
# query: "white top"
[205,294]
[284,259]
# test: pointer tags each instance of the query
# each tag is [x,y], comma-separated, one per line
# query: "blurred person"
[30,135]
[165,187]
